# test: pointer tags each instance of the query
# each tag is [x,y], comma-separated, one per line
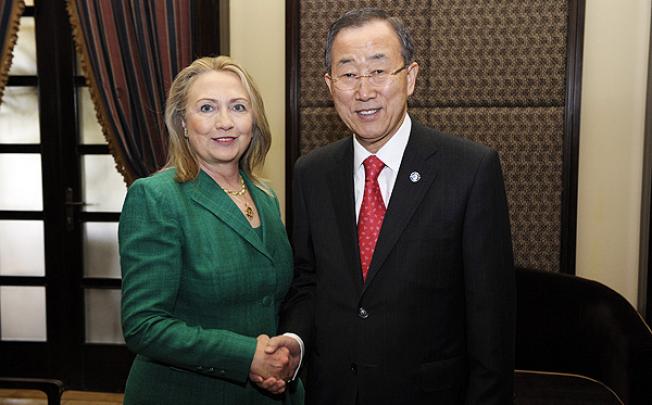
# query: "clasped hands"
[275,361]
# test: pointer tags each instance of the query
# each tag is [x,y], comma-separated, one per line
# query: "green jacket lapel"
[207,193]
[267,211]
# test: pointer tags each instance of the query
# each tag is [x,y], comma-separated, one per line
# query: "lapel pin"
[414,177]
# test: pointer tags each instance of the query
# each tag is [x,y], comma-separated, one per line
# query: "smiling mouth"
[368,112]
[225,139]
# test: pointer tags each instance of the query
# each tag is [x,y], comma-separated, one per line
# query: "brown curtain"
[10,12]
[131,50]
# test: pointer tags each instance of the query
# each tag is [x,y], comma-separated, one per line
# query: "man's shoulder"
[326,156]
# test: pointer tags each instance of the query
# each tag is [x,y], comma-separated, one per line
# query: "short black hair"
[360,17]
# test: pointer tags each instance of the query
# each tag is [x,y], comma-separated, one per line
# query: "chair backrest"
[574,325]
[536,388]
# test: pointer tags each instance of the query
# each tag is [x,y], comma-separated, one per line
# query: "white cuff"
[298,339]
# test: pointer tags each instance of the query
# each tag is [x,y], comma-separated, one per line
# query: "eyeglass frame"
[368,76]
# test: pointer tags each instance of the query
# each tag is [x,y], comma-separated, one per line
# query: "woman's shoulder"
[159,186]
[159,180]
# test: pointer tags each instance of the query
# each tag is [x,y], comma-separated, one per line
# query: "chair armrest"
[51,387]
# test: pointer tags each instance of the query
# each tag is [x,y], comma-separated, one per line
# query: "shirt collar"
[390,153]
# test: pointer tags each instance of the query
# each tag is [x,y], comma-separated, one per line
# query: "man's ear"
[412,72]
[329,82]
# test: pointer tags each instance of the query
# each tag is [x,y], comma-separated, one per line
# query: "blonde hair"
[180,156]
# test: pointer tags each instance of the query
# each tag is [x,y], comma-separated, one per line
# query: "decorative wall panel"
[502,73]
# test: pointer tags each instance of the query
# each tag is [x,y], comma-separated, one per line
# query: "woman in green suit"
[204,254]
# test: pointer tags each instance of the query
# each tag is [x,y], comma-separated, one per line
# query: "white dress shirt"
[391,154]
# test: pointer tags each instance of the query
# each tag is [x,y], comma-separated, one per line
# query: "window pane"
[103,316]
[19,121]
[21,248]
[104,188]
[24,61]
[101,257]
[22,313]
[20,182]
[91,131]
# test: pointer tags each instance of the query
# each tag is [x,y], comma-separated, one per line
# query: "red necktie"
[372,212]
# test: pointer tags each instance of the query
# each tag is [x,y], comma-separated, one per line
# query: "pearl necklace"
[243,189]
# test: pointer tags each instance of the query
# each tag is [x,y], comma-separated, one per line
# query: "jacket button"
[362,313]
[354,368]
[267,300]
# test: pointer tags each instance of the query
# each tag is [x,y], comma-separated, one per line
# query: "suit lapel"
[207,193]
[406,195]
[265,208]
[340,184]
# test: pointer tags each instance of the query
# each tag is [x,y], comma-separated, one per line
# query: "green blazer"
[198,285]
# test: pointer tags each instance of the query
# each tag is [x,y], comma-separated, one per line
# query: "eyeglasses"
[377,78]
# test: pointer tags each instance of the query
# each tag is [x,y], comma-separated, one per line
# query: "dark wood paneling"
[210,28]
[25,359]
[55,57]
[576,11]
[292,102]
[645,245]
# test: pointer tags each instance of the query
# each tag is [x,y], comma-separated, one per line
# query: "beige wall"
[611,135]
[616,44]
[258,42]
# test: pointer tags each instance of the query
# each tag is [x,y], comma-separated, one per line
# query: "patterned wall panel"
[492,71]
[497,53]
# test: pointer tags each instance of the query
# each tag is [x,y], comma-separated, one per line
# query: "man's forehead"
[352,59]
[373,41]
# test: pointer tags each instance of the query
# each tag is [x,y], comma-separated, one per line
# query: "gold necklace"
[243,189]
[248,210]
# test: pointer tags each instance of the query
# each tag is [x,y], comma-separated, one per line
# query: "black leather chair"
[52,388]
[577,337]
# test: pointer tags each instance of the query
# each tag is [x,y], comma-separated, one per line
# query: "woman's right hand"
[270,371]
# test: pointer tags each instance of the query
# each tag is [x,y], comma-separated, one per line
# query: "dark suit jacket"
[434,321]
[198,286]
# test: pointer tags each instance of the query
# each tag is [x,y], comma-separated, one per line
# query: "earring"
[185,132]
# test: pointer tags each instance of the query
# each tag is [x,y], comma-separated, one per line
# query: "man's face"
[373,113]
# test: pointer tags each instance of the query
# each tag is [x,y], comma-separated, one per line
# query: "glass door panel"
[103,316]
[19,116]
[22,313]
[104,189]
[90,131]
[101,257]
[20,182]
[21,248]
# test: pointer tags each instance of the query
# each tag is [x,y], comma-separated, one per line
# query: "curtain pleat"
[131,51]
[10,12]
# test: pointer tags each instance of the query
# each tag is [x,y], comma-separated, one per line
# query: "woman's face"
[219,119]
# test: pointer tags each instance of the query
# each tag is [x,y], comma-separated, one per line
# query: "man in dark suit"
[404,282]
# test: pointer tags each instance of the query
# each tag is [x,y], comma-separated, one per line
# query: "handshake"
[275,362]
